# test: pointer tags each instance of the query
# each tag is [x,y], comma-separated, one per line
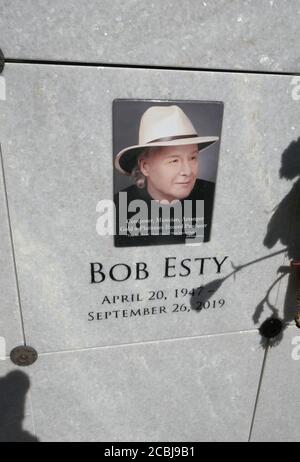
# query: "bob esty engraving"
[172,267]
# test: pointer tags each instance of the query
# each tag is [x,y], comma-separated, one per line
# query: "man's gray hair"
[136,173]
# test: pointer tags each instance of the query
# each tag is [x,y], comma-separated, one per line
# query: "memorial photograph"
[165,159]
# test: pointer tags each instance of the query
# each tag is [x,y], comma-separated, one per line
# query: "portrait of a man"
[166,202]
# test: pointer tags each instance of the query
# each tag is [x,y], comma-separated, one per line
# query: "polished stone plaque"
[64,134]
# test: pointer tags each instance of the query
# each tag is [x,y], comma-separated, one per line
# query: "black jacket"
[203,190]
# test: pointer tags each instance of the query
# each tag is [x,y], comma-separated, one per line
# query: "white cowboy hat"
[161,126]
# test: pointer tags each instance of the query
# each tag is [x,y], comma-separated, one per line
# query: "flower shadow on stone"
[284,228]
